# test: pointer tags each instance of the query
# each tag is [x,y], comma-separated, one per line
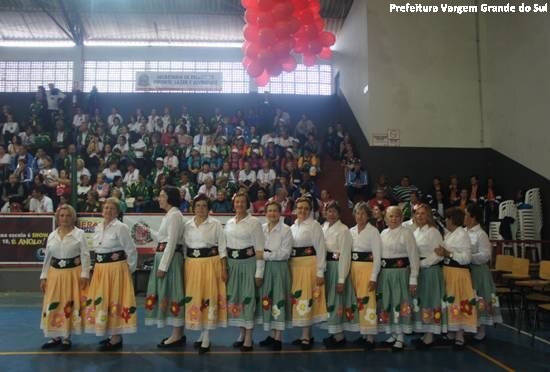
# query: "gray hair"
[362,206]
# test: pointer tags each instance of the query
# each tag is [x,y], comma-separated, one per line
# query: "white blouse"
[170,232]
[245,233]
[481,246]
[309,233]
[338,239]
[458,242]
[428,239]
[399,242]
[207,234]
[72,245]
[368,240]
[278,241]
[115,237]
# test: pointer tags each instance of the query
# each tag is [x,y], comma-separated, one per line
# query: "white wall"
[422,74]
[516,86]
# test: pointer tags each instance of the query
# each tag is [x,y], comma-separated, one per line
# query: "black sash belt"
[361,256]
[395,263]
[303,251]
[65,263]
[202,252]
[110,257]
[452,263]
[333,256]
[241,254]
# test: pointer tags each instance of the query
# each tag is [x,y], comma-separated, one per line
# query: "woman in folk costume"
[397,280]
[365,266]
[64,278]
[205,273]
[341,300]
[111,304]
[460,296]
[273,309]
[488,308]
[429,318]
[164,304]
[244,237]
[307,269]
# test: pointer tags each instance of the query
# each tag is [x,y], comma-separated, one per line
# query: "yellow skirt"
[366,301]
[111,304]
[460,299]
[205,294]
[308,299]
[61,315]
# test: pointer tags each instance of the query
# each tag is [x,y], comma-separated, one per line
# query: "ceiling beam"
[41,5]
[72,18]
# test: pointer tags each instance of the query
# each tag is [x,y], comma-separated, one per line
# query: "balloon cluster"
[276,30]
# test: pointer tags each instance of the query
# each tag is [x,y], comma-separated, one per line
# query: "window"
[119,76]
[26,76]
[314,80]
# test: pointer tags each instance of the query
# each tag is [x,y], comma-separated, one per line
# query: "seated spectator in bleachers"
[379,199]
[159,169]
[204,174]
[111,172]
[281,197]
[184,206]
[266,177]
[475,191]
[247,177]
[83,187]
[402,192]
[40,202]
[101,187]
[357,183]
[208,189]
[24,173]
[92,203]
[132,174]
[221,204]
[81,170]
[10,128]
[378,213]
[138,195]
[325,199]
[194,162]
[454,190]
[171,161]
[464,199]
[259,205]
[13,192]
[332,143]
[410,206]
[63,185]
[184,182]
[28,137]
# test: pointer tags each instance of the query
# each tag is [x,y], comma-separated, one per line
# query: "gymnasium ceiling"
[136,20]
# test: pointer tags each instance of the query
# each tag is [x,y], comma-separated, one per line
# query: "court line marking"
[526,333]
[490,358]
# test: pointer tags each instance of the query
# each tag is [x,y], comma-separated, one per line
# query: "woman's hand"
[84,282]
[259,282]
[320,281]
[440,251]
[412,289]
[340,288]
[372,286]
[259,255]
[43,285]
[161,274]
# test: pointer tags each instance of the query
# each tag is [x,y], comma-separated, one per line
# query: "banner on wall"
[191,81]
[88,224]
[23,239]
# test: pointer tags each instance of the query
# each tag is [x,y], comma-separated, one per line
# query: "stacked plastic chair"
[530,223]
[508,208]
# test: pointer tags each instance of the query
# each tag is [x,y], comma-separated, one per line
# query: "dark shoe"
[108,346]
[476,341]
[396,348]
[204,350]
[444,341]
[172,345]
[417,341]
[238,344]
[360,341]
[387,344]
[332,343]
[277,345]
[246,349]
[299,342]
[267,342]
[369,345]
[423,346]
[102,342]
[54,342]
[459,346]
[66,345]
[197,344]
[306,344]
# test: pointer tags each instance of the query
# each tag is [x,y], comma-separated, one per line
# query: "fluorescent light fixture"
[37,43]
[366,89]
[137,43]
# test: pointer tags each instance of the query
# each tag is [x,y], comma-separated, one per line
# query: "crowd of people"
[244,274]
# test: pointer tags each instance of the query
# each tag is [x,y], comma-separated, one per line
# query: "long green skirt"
[487,303]
[394,302]
[165,302]
[272,309]
[241,292]
[427,305]
[342,308]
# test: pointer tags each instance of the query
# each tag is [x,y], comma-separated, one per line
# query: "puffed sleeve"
[376,244]
[483,254]
[436,239]
[222,244]
[283,253]
[345,243]
[320,249]
[84,256]
[259,243]
[47,258]
[174,229]
[412,252]
[127,243]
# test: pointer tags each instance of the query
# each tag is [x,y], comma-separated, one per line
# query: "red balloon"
[301,45]
[265,5]
[326,53]
[262,79]
[251,16]
[327,38]
[299,5]
[315,7]
[274,69]
[315,46]
[251,33]
[282,29]
[288,64]
[265,19]
[282,11]
[246,62]
[266,36]
[245,45]
[310,32]
[320,23]
[294,25]
[255,69]
[282,48]
[252,51]
[306,17]
[249,4]
[266,56]
[309,60]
